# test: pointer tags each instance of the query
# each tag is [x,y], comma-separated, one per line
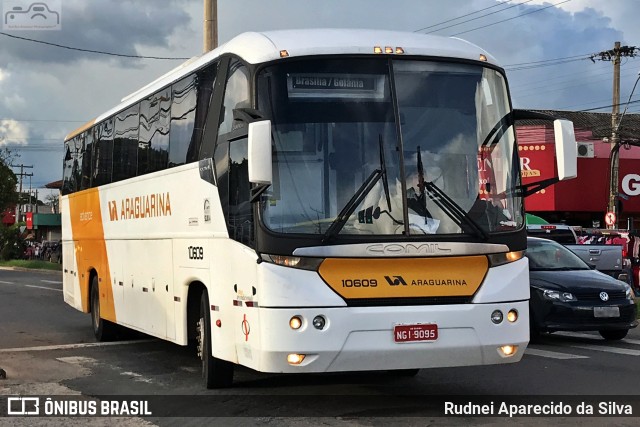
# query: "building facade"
[583,201]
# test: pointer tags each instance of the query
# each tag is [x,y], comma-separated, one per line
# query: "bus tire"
[216,373]
[102,329]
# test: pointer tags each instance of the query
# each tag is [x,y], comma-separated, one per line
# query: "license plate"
[420,332]
[606,311]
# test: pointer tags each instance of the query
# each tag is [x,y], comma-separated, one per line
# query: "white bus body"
[317,294]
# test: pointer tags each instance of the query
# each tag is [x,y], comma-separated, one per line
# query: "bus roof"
[257,48]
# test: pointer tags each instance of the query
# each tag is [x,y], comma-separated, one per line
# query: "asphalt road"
[47,349]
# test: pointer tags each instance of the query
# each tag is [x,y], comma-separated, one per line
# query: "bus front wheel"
[216,373]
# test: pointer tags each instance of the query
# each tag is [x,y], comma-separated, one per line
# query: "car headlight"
[629,293]
[558,295]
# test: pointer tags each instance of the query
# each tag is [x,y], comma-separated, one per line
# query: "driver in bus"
[380,218]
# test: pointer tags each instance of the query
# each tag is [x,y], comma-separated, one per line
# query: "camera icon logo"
[29,15]
[23,406]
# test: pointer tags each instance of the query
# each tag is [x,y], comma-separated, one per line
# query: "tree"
[53,200]
[7,156]
[8,181]
[11,244]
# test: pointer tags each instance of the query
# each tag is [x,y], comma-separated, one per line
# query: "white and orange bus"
[309,201]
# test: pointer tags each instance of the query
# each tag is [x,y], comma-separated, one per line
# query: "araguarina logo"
[395,280]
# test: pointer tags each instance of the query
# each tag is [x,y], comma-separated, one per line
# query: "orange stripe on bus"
[81,129]
[91,249]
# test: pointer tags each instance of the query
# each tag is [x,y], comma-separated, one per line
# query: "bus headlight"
[295,359]
[497,317]
[508,350]
[295,322]
[319,322]
[303,263]
[504,258]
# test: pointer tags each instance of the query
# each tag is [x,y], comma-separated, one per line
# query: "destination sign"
[342,86]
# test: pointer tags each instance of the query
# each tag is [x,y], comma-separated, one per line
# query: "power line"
[99,52]
[549,60]
[556,61]
[608,106]
[524,92]
[461,16]
[509,19]
[548,64]
[472,19]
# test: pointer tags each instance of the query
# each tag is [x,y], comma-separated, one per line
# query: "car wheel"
[614,335]
[216,373]
[103,330]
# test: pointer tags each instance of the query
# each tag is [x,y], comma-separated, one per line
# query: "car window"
[548,255]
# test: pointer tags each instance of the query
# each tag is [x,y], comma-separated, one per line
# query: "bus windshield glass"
[389,146]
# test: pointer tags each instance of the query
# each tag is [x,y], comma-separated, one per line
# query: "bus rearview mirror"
[260,168]
[566,149]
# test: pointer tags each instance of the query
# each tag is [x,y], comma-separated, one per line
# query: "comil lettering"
[140,207]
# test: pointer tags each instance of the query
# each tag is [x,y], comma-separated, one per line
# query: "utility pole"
[614,56]
[22,174]
[210,25]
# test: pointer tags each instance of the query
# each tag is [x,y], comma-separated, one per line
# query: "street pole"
[210,25]
[615,151]
[614,55]
[22,175]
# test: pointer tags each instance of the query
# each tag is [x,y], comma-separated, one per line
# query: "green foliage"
[8,181]
[11,243]
[32,264]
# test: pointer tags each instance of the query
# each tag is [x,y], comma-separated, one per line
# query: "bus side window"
[103,158]
[239,212]
[236,95]
[240,223]
[183,114]
[67,173]
[153,143]
[125,144]
[87,155]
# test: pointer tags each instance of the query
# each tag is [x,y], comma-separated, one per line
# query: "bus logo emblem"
[395,281]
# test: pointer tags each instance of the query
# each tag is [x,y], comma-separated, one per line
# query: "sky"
[47,91]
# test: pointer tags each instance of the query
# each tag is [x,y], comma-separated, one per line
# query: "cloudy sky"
[47,91]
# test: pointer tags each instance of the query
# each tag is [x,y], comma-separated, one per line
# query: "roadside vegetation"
[32,264]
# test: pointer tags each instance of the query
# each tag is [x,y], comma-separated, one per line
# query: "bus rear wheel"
[102,329]
[216,373]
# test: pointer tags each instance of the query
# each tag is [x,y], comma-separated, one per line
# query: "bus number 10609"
[359,283]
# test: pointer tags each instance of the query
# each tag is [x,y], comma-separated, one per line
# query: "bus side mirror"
[566,149]
[260,168]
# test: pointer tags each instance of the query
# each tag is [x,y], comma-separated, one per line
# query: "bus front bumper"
[362,338]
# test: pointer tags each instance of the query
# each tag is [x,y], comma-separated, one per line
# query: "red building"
[583,200]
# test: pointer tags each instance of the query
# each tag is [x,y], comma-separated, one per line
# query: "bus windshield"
[389,147]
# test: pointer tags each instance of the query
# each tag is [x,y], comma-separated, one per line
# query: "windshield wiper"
[359,196]
[453,210]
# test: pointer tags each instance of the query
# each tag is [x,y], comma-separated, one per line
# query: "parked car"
[568,295]
[561,233]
